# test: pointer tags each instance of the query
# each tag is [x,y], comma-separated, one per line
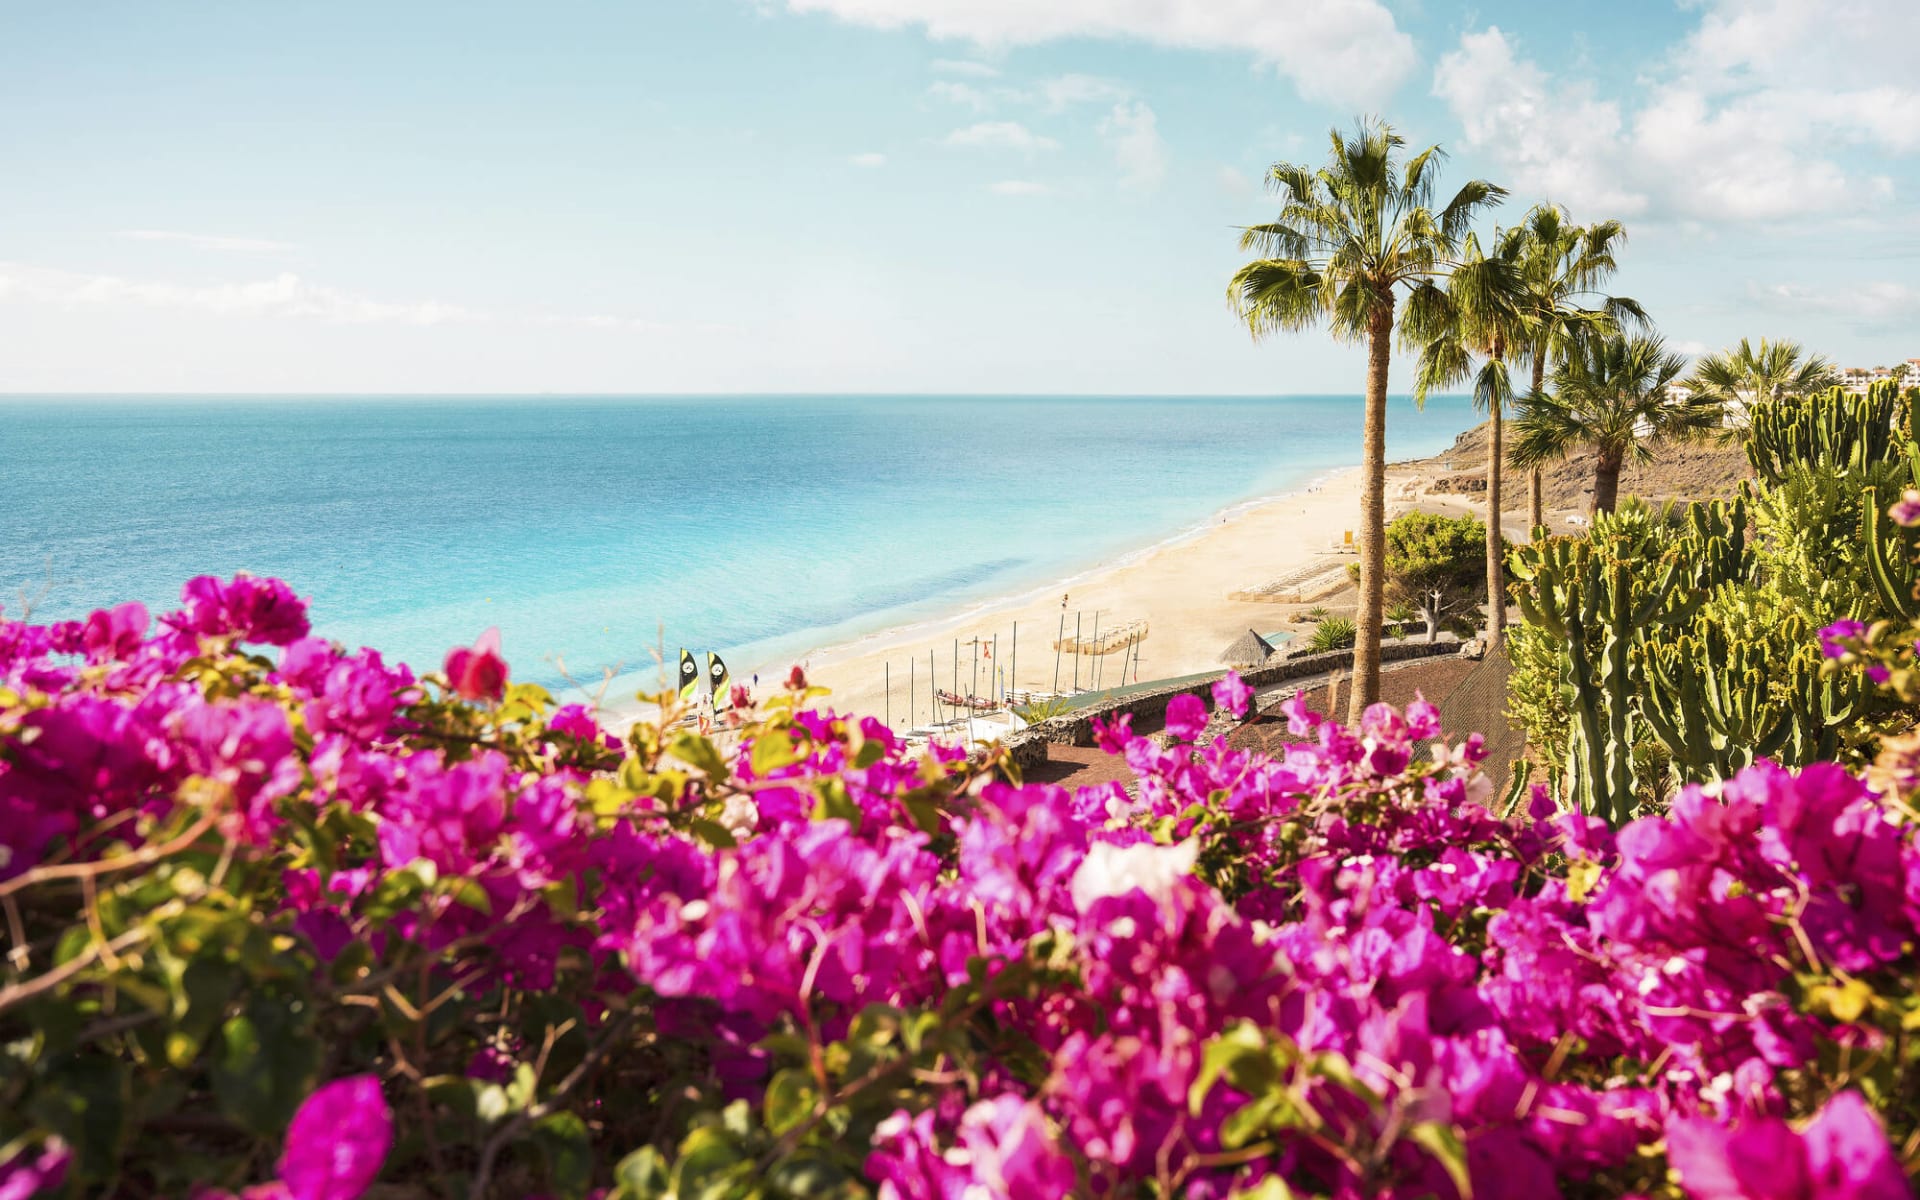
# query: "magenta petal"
[1232,694]
[1186,717]
[1762,1159]
[1848,1155]
[337,1141]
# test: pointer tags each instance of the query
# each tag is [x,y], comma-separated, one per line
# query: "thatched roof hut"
[1248,650]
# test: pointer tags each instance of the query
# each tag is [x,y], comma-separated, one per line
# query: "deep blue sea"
[593,530]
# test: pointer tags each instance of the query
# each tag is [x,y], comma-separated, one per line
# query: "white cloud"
[1690,347]
[1134,135]
[1001,135]
[960,93]
[1748,119]
[1344,52]
[1019,187]
[1063,91]
[630,324]
[205,241]
[1557,143]
[964,66]
[872,158]
[1234,182]
[1878,306]
[286,296]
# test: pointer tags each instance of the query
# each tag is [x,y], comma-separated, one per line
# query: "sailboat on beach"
[715,684]
[689,686]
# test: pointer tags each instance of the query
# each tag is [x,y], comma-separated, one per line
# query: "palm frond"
[1467,204]
[1272,294]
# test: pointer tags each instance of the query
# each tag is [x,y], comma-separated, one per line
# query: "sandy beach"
[1183,590]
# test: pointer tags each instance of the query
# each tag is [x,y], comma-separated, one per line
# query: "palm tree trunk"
[1373,517]
[1536,506]
[1606,479]
[1496,580]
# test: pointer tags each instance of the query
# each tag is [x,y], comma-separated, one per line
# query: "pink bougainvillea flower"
[478,672]
[1906,510]
[337,1141]
[1232,694]
[1834,638]
[1186,717]
[797,679]
[35,1172]
[115,633]
[1843,1155]
[255,610]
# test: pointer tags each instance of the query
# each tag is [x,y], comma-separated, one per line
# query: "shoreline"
[961,610]
[1180,585]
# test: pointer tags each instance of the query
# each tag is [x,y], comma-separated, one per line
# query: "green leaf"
[807,1175]
[348,965]
[264,1066]
[605,798]
[772,750]
[791,1096]
[531,694]
[704,1153]
[641,1175]
[834,802]
[466,891]
[568,1152]
[1443,1142]
[1271,1188]
[1241,1041]
[85,1102]
[700,753]
[713,833]
[490,1103]
[1249,1121]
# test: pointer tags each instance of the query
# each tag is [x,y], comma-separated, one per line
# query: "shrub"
[318,919]
[1044,710]
[1333,633]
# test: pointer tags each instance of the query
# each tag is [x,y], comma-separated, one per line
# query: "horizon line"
[683,395]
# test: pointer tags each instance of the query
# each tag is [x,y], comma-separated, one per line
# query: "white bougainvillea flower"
[1110,870]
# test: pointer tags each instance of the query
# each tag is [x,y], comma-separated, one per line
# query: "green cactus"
[1890,558]
[1603,595]
[1683,653]
[1839,430]
[1718,699]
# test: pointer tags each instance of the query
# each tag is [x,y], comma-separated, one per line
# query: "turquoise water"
[594,530]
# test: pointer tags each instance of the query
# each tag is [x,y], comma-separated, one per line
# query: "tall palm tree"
[1350,237]
[1562,266]
[1748,374]
[1614,396]
[1481,321]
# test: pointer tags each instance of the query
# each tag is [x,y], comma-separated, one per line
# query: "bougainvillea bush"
[283,919]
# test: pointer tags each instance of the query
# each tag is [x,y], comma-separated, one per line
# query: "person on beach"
[1063,602]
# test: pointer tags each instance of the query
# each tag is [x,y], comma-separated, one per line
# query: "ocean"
[596,531]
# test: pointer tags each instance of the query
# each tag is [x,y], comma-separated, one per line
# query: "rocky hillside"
[1679,472]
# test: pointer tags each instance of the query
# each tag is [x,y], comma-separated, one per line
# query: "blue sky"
[886,195]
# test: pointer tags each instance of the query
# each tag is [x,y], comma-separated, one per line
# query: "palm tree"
[1750,375]
[1481,320]
[1349,238]
[1614,396]
[1562,266]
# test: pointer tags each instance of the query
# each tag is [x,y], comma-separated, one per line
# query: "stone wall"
[1029,746]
